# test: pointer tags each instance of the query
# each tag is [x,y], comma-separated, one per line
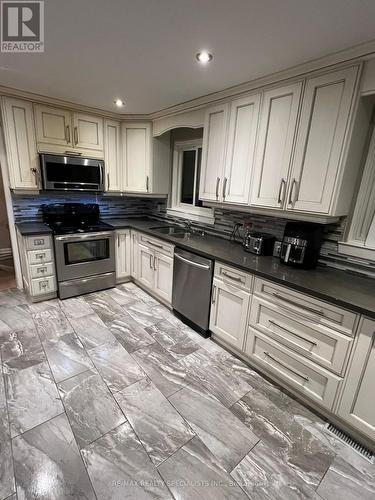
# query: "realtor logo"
[22,26]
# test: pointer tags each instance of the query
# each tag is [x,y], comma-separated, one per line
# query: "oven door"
[83,255]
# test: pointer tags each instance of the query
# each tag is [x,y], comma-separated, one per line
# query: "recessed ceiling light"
[119,102]
[204,57]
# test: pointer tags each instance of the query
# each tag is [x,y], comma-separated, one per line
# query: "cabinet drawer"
[234,276]
[321,313]
[43,286]
[39,256]
[309,378]
[159,245]
[38,242]
[316,342]
[41,270]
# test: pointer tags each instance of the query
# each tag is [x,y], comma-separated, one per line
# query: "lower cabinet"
[229,310]
[133,253]
[357,402]
[123,254]
[146,272]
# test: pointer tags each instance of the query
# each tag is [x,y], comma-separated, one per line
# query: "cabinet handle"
[217,187]
[224,187]
[284,365]
[147,184]
[36,174]
[281,198]
[107,181]
[235,278]
[292,333]
[292,199]
[154,244]
[155,259]
[73,153]
[306,308]
[67,134]
[151,264]
[213,299]
[75,136]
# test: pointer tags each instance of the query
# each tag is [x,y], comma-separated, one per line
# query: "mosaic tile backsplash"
[28,208]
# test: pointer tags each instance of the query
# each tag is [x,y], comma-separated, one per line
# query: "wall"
[4,228]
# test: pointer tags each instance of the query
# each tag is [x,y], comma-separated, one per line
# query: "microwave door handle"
[101,175]
[287,253]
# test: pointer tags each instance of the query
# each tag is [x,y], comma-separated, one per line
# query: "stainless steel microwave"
[71,173]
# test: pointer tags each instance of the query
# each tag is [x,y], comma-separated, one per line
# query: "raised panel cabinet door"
[137,145]
[325,113]
[19,133]
[112,155]
[357,402]
[87,132]
[134,254]
[53,126]
[163,266]
[123,254]
[273,155]
[229,311]
[145,272]
[243,124]
[213,152]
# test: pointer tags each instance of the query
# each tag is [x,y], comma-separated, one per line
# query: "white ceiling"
[143,50]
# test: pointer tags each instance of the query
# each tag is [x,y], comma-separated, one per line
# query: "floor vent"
[358,447]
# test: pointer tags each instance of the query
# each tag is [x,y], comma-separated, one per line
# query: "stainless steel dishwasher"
[191,296]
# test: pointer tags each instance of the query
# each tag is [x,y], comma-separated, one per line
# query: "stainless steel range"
[84,248]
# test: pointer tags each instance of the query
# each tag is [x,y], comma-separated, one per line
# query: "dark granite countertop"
[29,228]
[338,287]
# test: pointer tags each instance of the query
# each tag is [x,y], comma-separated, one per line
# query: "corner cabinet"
[137,157]
[357,402]
[20,143]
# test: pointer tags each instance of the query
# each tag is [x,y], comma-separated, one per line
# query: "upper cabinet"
[274,150]
[20,143]
[60,131]
[112,155]
[136,155]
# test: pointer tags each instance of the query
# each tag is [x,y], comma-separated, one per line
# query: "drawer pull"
[291,333]
[309,309]
[41,270]
[154,244]
[40,255]
[284,365]
[213,298]
[235,278]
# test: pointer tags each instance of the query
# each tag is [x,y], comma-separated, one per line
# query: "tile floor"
[109,396]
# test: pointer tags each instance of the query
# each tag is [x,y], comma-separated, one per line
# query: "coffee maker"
[301,244]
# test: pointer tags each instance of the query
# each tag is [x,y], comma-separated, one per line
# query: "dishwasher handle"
[196,264]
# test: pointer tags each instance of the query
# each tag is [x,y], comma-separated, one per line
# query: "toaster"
[258,243]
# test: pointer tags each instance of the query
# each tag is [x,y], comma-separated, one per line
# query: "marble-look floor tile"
[76,307]
[162,368]
[344,481]
[66,356]
[15,318]
[223,434]
[120,468]
[32,397]
[21,348]
[158,425]
[91,331]
[193,473]
[262,475]
[116,366]
[91,409]
[121,295]
[104,306]
[287,439]
[7,485]
[143,314]
[51,323]
[48,464]
[129,333]
[172,339]
[208,371]
[12,297]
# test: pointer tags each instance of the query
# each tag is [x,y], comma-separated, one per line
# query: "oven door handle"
[87,236]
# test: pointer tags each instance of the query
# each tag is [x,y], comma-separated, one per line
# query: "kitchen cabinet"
[317,160]
[53,126]
[20,144]
[112,155]
[229,311]
[278,122]
[163,266]
[134,253]
[137,157]
[357,401]
[146,272]
[123,254]
[88,132]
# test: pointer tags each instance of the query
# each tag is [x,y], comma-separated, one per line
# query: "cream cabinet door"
[134,253]
[274,146]
[243,123]
[229,311]
[87,132]
[145,271]
[123,254]
[19,133]
[137,150]
[213,153]
[357,402]
[163,266]
[53,126]
[112,155]
[324,118]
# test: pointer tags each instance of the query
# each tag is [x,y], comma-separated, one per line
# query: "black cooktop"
[80,228]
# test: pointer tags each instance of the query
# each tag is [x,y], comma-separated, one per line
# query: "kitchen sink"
[172,230]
